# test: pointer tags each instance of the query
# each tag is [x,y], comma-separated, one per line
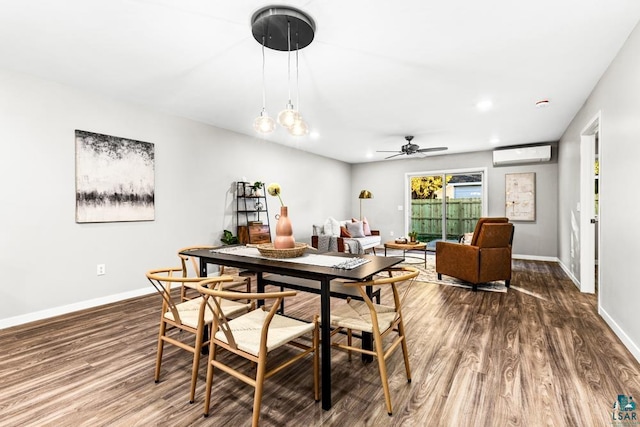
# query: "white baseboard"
[631,346]
[535,257]
[65,309]
[573,278]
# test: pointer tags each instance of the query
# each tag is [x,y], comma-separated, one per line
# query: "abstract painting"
[114,179]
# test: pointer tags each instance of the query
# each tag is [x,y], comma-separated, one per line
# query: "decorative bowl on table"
[401,240]
[267,250]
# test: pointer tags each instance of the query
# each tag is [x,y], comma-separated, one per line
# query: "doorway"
[590,171]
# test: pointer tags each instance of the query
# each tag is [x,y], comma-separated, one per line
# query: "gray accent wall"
[386,180]
[49,261]
[617,98]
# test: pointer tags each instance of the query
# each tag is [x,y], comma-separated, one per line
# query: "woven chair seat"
[188,311]
[356,315]
[247,329]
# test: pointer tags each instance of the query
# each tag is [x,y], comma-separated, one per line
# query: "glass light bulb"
[299,127]
[263,123]
[288,116]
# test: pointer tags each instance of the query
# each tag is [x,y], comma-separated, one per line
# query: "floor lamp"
[364,194]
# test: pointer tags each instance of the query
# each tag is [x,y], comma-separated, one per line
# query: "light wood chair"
[191,316]
[191,268]
[253,336]
[377,319]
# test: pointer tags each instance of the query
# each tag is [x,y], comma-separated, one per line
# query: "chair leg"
[257,398]
[439,276]
[405,350]
[210,368]
[197,350]
[382,366]
[163,329]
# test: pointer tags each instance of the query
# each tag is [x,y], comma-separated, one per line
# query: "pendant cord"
[264,91]
[297,80]
[289,59]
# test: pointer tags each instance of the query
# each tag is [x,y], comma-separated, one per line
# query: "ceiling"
[375,72]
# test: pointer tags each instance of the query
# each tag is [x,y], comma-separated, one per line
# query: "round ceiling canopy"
[271,23]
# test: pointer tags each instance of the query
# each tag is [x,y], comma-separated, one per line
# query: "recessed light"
[494,141]
[542,103]
[314,134]
[484,105]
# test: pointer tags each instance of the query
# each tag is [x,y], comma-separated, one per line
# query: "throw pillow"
[365,227]
[355,229]
[344,232]
[332,227]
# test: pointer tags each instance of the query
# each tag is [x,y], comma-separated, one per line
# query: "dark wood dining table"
[322,274]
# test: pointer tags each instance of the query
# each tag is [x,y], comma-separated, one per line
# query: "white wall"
[386,180]
[49,261]
[617,96]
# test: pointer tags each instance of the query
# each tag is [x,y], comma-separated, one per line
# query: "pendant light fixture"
[263,123]
[299,127]
[276,27]
[289,115]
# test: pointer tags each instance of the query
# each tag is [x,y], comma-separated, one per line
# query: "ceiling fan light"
[263,123]
[288,116]
[299,127]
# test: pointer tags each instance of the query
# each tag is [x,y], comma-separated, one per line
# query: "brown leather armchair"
[486,259]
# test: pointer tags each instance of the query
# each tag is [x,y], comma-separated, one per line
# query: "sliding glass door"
[445,206]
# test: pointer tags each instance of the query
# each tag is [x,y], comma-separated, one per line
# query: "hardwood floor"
[539,355]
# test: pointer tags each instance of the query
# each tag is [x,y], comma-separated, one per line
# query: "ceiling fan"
[410,149]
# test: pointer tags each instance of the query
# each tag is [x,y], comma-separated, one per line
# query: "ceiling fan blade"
[386,151]
[427,150]
[395,155]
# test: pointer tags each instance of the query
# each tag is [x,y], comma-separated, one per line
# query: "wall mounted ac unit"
[514,156]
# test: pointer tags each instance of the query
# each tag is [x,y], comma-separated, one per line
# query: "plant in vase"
[284,231]
[413,235]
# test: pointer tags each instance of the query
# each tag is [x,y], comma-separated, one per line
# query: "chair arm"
[375,232]
[456,260]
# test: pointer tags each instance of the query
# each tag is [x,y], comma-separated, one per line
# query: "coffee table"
[404,247]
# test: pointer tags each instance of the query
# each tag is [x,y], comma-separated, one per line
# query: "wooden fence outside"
[462,216]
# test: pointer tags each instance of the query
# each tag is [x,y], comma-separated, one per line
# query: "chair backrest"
[191,264]
[163,278]
[485,220]
[397,275]
[213,295]
[495,235]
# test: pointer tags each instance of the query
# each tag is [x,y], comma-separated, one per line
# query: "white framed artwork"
[520,196]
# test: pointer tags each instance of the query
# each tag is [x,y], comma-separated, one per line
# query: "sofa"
[349,235]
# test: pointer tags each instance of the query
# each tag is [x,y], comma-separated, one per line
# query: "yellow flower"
[275,190]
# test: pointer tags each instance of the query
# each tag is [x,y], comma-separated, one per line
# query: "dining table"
[320,267]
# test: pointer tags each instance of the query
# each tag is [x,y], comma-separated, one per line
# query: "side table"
[404,247]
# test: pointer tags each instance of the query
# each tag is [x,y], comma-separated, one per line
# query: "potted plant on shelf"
[256,188]
[413,235]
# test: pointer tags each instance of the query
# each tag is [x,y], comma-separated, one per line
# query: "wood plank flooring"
[539,355]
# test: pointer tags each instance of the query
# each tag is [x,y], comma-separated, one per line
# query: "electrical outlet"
[391,233]
[101,270]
